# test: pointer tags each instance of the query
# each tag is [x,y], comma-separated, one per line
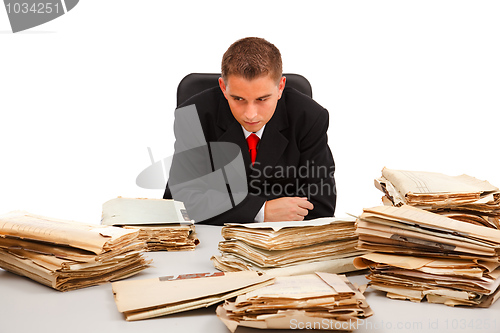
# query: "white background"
[409,85]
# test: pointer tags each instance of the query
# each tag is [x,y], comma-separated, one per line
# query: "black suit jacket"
[293,157]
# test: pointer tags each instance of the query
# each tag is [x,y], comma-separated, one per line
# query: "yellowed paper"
[67,255]
[313,301]
[141,299]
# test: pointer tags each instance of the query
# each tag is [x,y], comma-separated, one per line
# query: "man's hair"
[250,58]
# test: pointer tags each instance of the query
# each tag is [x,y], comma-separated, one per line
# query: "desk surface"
[26,306]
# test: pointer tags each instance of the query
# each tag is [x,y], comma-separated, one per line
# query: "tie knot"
[252,141]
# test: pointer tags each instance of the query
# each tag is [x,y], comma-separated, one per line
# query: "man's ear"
[222,86]
[281,86]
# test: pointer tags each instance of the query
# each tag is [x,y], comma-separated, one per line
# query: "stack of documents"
[313,301]
[143,299]
[427,255]
[163,224]
[463,198]
[289,248]
[173,237]
[67,255]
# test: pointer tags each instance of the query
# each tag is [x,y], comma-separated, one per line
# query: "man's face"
[252,102]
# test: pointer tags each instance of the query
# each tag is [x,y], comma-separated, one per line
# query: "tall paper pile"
[163,224]
[289,248]
[313,301]
[420,254]
[463,198]
[68,255]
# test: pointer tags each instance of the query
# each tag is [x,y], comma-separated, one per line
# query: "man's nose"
[251,111]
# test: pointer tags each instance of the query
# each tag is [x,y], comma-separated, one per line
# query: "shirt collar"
[258,133]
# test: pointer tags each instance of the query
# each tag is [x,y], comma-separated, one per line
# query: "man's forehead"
[258,87]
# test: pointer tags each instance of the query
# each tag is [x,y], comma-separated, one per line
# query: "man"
[290,172]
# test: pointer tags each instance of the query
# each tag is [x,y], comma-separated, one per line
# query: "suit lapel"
[273,142]
[232,131]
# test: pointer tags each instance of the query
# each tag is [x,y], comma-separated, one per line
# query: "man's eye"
[262,99]
[238,98]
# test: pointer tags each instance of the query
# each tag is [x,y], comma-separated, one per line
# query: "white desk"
[26,306]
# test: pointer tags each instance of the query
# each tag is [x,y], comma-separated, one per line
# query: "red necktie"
[252,141]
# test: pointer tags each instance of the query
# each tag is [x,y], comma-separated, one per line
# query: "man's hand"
[287,209]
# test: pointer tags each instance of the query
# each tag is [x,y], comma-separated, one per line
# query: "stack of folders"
[143,299]
[463,198]
[67,255]
[163,224]
[312,301]
[418,254]
[289,248]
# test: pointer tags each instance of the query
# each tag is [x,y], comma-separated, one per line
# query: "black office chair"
[195,83]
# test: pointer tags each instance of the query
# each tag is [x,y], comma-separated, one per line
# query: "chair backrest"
[195,83]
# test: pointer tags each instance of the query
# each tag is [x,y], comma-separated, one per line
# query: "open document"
[67,255]
[143,299]
[298,247]
[163,224]
[463,197]
[312,301]
[418,254]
